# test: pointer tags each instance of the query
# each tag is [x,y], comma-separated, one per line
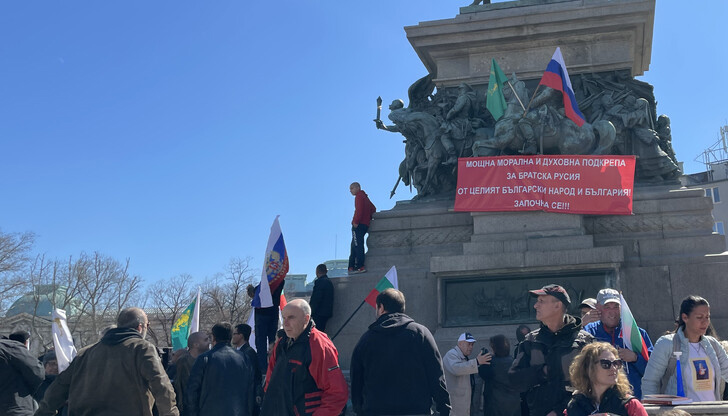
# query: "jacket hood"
[390,322]
[118,335]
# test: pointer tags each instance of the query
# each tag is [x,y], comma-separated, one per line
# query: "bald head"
[354,188]
[198,342]
[296,316]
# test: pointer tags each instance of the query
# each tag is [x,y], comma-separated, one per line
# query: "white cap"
[466,336]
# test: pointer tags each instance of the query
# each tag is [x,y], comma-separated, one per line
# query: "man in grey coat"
[459,371]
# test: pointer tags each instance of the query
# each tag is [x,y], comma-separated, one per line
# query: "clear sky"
[173,132]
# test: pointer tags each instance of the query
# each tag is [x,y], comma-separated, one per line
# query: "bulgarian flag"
[389,281]
[630,332]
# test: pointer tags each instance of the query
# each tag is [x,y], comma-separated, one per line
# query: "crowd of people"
[567,366]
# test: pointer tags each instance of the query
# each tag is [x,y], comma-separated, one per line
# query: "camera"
[484,351]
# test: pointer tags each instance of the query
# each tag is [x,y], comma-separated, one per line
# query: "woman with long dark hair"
[703,362]
[601,384]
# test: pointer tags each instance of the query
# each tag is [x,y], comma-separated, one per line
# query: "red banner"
[569,184]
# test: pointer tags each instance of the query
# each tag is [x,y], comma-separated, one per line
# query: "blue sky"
[173,132]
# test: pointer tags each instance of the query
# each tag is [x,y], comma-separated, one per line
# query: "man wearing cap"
[458,371]
[589,312]
[541,367]
[609,328]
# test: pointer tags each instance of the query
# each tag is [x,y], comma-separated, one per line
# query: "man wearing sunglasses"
[541,367]
[609,329]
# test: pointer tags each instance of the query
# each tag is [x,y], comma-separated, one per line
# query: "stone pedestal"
[594,36]
[471,271]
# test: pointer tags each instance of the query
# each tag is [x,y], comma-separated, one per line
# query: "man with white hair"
[609,329]
[458,373]
[122,374]
[303,374]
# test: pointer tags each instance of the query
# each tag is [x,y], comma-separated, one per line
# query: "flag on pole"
[186,324]
[630,331]
[389,281]
[495,100]
[62,340]
[557,77]
[275,267]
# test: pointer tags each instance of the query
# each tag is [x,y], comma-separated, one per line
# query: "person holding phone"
[458,372]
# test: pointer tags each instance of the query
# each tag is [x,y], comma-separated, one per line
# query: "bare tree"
[105,287]
[168,299]
[225,296]
[14,258]
[38,277]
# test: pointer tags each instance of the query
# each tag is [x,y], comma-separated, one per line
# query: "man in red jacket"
[363,210]
[303,377]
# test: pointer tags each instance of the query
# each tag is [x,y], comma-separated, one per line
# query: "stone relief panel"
[501,300]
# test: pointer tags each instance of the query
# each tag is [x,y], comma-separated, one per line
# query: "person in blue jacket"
[609,328]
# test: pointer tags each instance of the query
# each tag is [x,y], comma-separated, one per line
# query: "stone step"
[530,244]
[523,222]
[477,238]
[483,263]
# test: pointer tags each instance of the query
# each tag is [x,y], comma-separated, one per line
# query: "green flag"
[183,327]
[496,102]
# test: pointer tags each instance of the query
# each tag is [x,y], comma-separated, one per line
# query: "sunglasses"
[606,364]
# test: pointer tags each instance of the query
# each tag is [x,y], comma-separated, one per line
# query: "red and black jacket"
[304,377]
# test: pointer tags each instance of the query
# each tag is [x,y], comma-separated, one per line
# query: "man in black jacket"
[221,380]
[541,367]
[244,331]
[322,298]
[20,375]
[396,368]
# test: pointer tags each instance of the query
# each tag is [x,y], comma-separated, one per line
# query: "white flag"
[251,323]
[195,324]
[62,340]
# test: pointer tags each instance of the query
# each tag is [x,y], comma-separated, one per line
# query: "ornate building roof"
[40,302]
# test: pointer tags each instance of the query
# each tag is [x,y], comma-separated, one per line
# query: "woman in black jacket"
[601,384]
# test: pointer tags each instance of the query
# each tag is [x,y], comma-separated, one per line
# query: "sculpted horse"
[551,130]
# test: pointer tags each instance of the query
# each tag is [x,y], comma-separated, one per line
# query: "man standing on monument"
[609,328]
[396,368]
[322,298]
[541,367]
[363,210]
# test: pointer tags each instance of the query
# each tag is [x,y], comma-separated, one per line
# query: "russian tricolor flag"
[557,78]
[275,267]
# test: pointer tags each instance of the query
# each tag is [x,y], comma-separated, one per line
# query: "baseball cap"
[466,336]
[588,303]
[554,290]
[607,295]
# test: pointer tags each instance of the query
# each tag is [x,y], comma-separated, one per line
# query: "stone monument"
[471,271]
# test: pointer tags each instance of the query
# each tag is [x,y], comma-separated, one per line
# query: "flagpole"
[525,110]
[350,316]
[517,97]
